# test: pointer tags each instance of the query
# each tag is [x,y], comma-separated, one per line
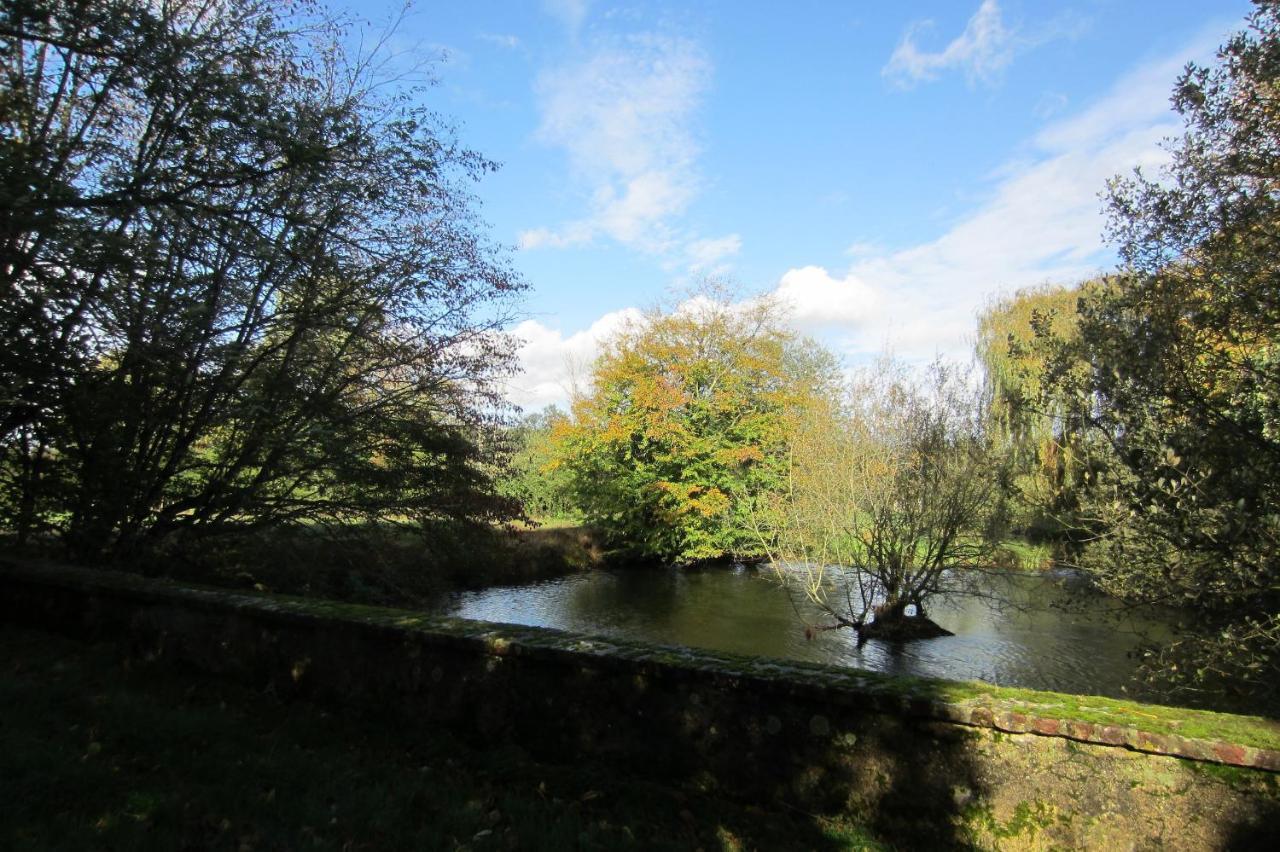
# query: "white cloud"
[1042,221]
[570,235]
[863,248]
[508,41]
[705,255]
[571,13]
[623,117]
[552,362]
[817,300]
[1137,99]
[1049,105]
[984,49]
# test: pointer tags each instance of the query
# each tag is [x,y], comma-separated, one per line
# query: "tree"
[241,279]
[887,487]
[1184,345]
[1041,427]
[687,420]
[534,479]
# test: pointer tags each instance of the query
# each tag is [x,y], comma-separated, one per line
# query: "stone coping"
[1200,735]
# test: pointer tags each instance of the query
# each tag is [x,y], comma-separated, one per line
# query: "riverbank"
[96,751]
[378,564]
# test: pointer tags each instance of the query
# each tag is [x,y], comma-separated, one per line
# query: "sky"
[885,169]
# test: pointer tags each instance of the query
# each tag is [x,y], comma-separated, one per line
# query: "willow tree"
[242,281]
[885,498]
[686,422]
[1040,424]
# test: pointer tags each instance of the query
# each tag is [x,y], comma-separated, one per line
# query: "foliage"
[686,422]
[889,487]
[242,283]
[533,478]
[1041,427]
[1185,381]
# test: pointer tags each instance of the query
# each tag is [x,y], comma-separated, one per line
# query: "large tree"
[1184,344]
[240,278]
[687,420]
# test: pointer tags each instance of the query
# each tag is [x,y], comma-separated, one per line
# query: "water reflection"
[1030,640]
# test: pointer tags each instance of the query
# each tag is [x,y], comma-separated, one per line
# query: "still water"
[1041,637]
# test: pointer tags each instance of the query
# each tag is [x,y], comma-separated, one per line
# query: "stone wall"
[926,763]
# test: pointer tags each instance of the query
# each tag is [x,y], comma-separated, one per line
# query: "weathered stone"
[1046,727]
[982,716]
[1111,734]
[1229,753]
[1013,722]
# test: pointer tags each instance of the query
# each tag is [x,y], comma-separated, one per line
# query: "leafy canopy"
[688,418]
[1184,350]
[1040,424]
[887,486]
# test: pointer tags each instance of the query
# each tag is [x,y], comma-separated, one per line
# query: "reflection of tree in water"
[642,601]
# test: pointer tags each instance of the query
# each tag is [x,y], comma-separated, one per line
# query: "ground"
[100,750]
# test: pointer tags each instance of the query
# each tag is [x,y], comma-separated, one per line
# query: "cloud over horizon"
[1041,221]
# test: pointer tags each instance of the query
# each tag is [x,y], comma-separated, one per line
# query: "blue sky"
[886,169]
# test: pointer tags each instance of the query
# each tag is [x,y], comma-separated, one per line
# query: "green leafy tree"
[687,421]
[1184,345]
[241,279]
[533,477]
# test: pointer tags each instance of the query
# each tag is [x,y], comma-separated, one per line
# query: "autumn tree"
[241,282]
[686,421]
[886,490]
[1040,427]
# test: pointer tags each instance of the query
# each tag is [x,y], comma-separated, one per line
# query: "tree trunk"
[892,623]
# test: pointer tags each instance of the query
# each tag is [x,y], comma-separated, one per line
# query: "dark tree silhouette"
[242,279]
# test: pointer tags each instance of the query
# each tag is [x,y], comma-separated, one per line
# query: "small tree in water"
[887,489]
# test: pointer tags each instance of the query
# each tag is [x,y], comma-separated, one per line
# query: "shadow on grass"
[99,751]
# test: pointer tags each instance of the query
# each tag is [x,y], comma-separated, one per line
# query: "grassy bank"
[381,564]
[105,752]
[1017,554]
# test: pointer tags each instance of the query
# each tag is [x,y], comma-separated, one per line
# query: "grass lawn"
[99,751]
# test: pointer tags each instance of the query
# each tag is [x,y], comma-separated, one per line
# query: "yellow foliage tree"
[686,421]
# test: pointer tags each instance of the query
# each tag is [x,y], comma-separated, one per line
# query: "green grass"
[379,564]
[100,751]
[1022,555]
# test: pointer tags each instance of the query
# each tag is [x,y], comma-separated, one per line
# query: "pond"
[1037,639]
